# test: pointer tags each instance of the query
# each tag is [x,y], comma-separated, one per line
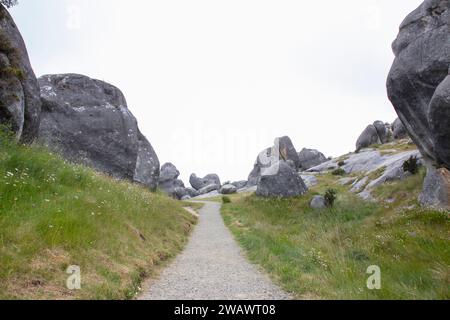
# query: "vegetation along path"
[212,267]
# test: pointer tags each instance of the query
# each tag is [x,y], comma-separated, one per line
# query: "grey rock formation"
[228,189]
[283,149]
[208,189]
[287,150]
[375,133]
[180,192]
[318,202]
[310,180]
[367,160]
[399,131]
[422,51]
[192,192]
[418,84]
[281,180]
[439,118]
[359,185]
[199,183]
[310,158]
[20,103]
[87,121]
[382,131]
[240,184]
[436,190]
[168,173]
[169,182]
[367,138]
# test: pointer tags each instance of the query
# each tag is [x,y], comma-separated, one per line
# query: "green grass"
[324,254]
[54,214]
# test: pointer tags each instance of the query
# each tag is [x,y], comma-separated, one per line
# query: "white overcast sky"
[212,83]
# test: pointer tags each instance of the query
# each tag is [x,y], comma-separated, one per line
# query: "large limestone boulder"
[436,189]
[376,133]
[200,183]
[310,158]
[418,84]
[287,150]
[399,131]
[422,51]
[20,103]
[240,184]
[170,184]
[228,189]
[88,121]
[281,179]
[283,149]
[318,202]
[439,118]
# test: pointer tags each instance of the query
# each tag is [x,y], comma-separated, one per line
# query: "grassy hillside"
[324,254]
[53,215]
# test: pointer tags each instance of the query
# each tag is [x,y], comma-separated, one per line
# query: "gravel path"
[212,267]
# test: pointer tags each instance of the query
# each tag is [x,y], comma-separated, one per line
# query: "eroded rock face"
[20,103]
[281,180]
[310,158]
[439,118]
[240,184]
[399,131]
[419,87]
[376,133]
[228,189]
[421,66]
[318,202]
[200,183]
[436,190]
[87,121]
[288,151]
[169,182]
[283,149]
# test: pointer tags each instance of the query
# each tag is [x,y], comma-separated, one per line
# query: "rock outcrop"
[283,149]
[200,183]
[310,158]
[436,189]
[366,163]
[228,189]
[88,121]
[20,103]
[418,84]
[399,131]
[376,133]
[281,179]
[170,184]
[240,184]
[318,202]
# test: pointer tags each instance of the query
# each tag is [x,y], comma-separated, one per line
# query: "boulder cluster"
[88,121]
[381,133]
[277,170]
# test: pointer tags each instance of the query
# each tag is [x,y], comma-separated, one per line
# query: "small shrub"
[226,199]
[411,165]
[341,163]
[330,197]
[339,172]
